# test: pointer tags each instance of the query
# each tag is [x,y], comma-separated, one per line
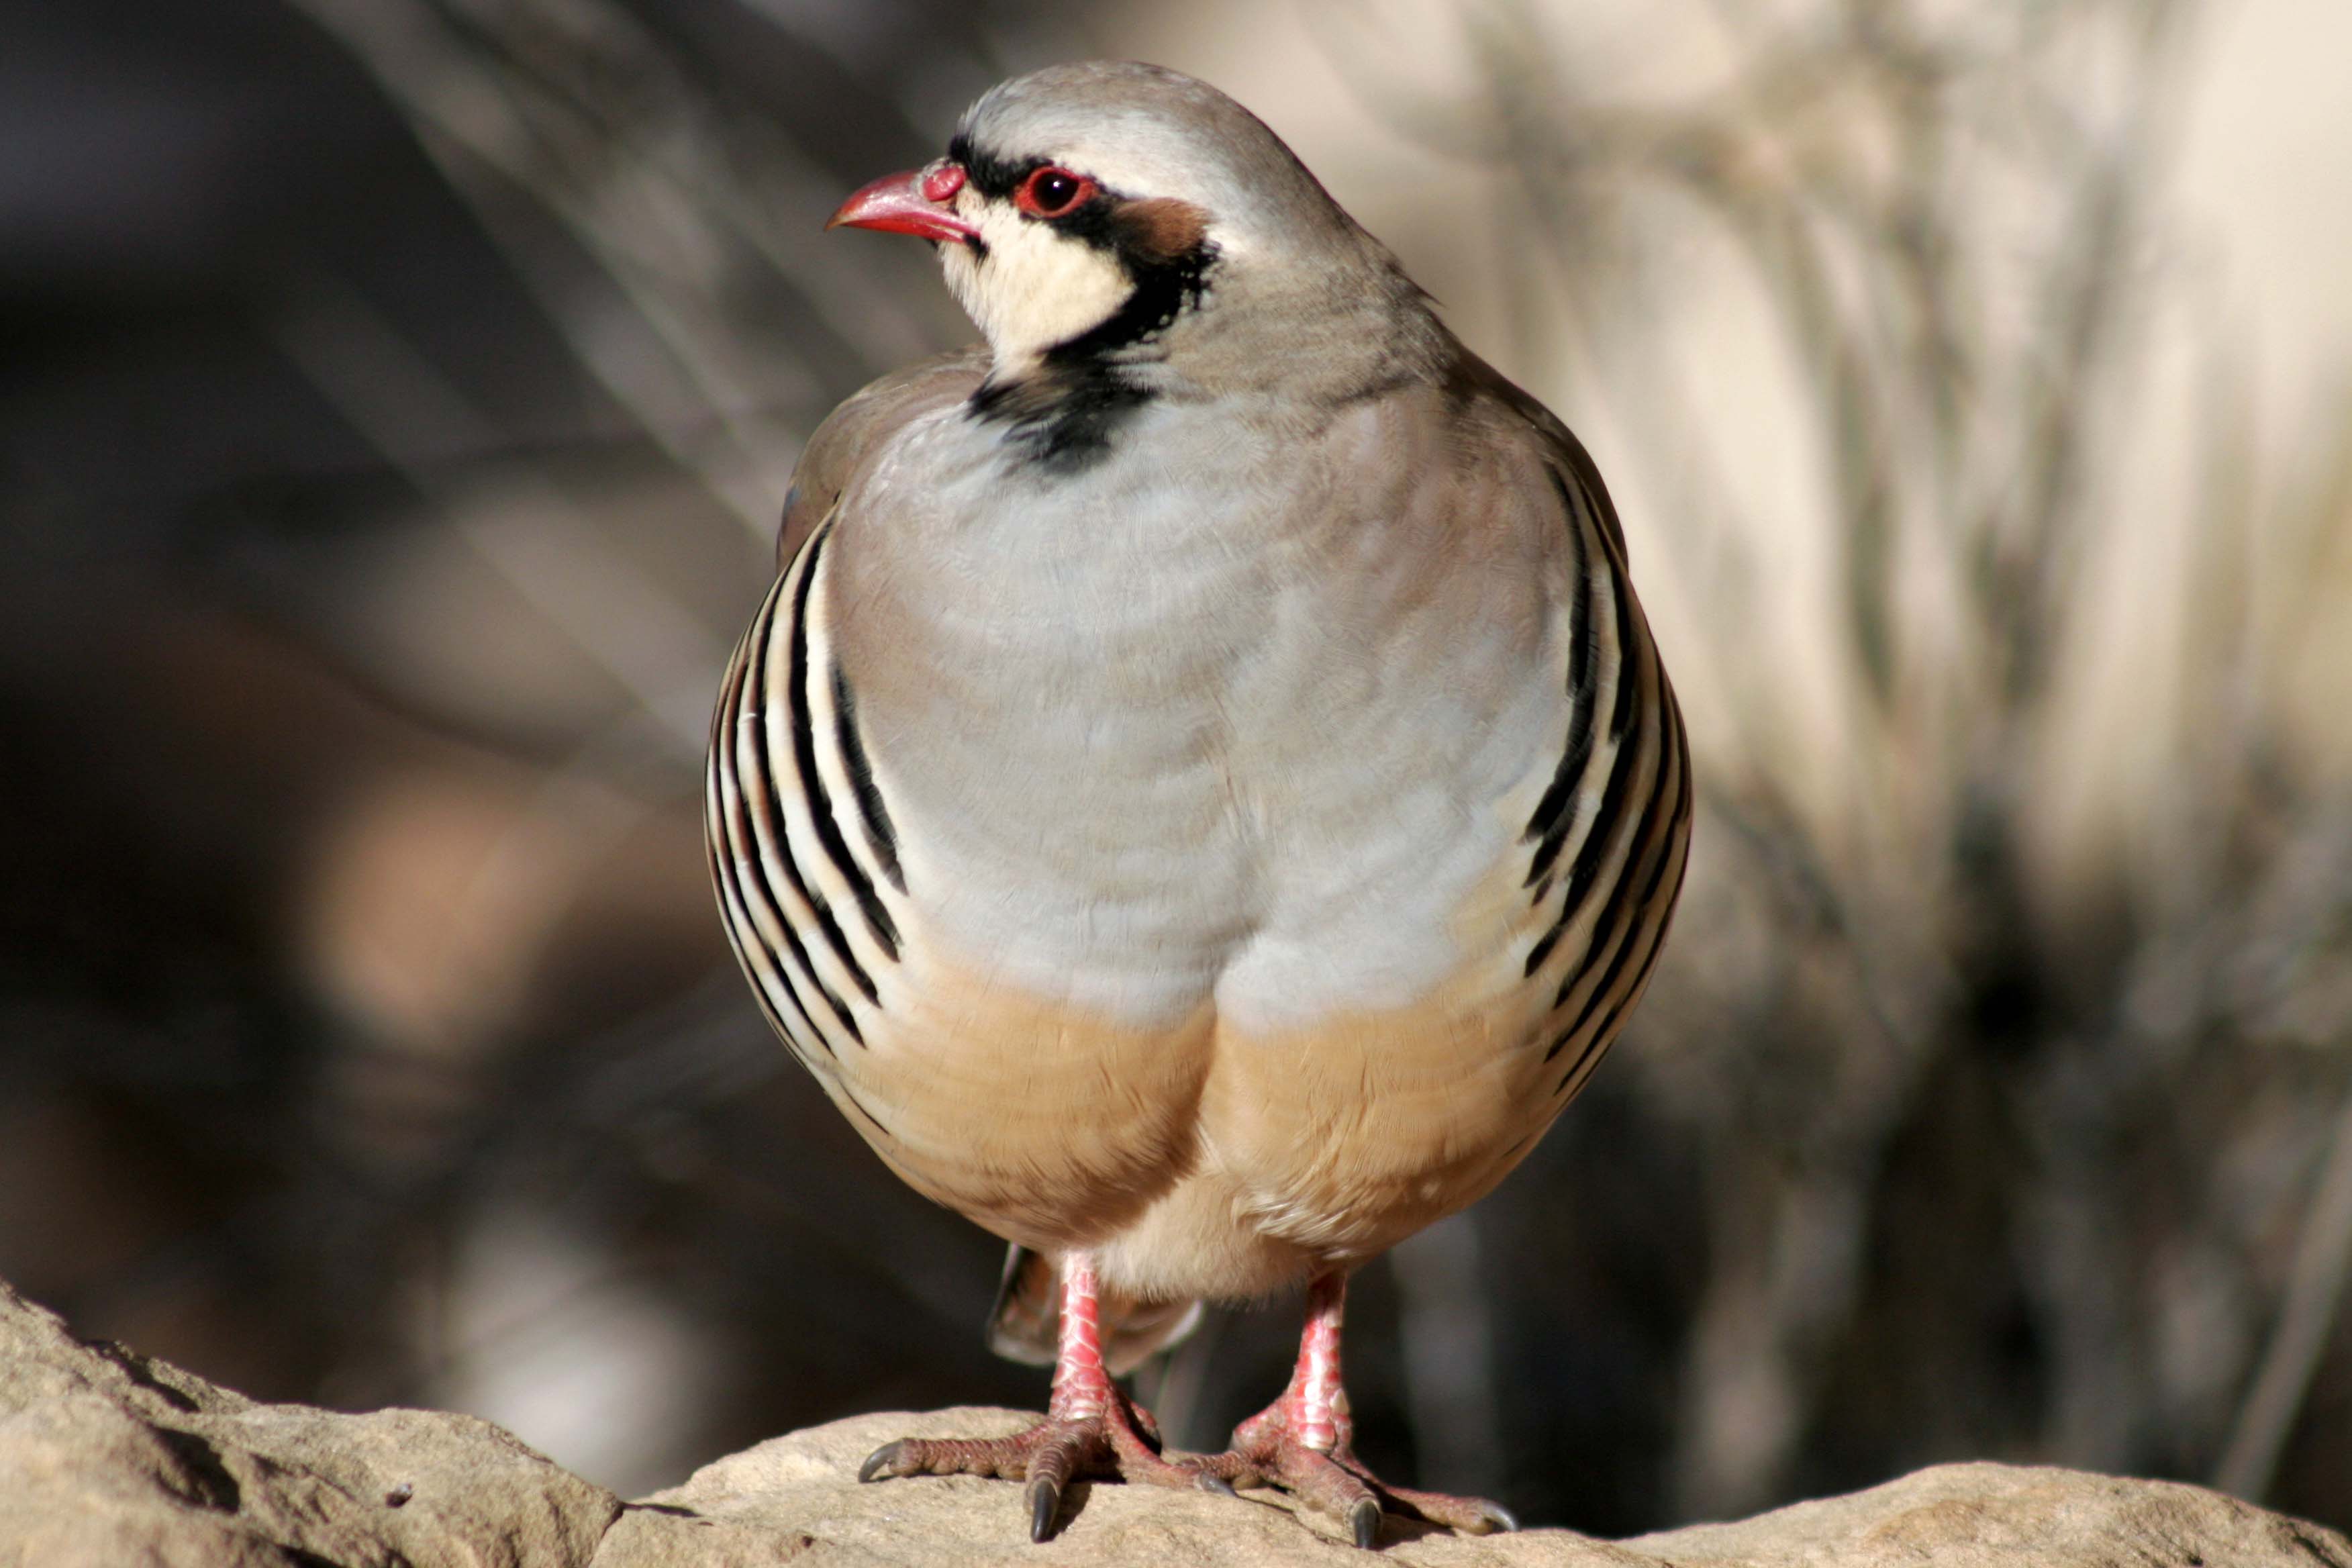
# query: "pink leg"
[1081,1386]
[1312,1411]
[1305,1441]
[1302,1443]
[1090,1428]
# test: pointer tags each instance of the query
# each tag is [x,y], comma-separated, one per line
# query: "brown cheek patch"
[1162,229]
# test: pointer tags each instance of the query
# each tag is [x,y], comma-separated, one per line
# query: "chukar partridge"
[1200,795]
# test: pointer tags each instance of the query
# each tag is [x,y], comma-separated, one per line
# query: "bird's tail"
[1027,1319]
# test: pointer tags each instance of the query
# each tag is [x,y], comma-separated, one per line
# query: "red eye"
[1050,192]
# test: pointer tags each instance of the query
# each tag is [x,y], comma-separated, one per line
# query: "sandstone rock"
[107,1459]
[2008,1516]
[797,1499]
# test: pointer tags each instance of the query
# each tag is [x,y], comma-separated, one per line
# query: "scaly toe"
[1469,1515]
[1330,1488]
[1334,1483]
[1047,1457]
[1012,1456]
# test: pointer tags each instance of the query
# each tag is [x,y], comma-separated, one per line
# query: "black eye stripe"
[1169,267]
[1000,179]
[991,175]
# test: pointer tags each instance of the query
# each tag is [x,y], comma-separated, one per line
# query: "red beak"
[914,203]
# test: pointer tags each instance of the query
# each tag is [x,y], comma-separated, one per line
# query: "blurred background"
[397,401]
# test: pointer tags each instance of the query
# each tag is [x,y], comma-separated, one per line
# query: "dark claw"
[1365,1519]
[881,1459]
[1504,1520]
[1044,1500]
[1215,1483]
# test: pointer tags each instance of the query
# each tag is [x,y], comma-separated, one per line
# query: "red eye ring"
[1052,192]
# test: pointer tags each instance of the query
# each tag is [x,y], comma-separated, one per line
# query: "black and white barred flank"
[802,850]
[1610,873]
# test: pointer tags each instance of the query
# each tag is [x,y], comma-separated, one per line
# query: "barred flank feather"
[1625,851]
[801,846]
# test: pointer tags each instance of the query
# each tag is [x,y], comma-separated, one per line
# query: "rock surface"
[796,1499]
[107,1459]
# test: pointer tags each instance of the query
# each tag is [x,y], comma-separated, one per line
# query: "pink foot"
[1118,1441]
[1304,1443]
[1268,1451]
[1090,1428]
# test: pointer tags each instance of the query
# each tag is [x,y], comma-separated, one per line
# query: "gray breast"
[1145,742]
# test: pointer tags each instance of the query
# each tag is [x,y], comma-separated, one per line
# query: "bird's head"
[1100,210]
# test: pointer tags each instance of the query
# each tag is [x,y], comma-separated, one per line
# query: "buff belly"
[1198,1158]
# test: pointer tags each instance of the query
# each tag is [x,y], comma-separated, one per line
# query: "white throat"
[1036,287]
